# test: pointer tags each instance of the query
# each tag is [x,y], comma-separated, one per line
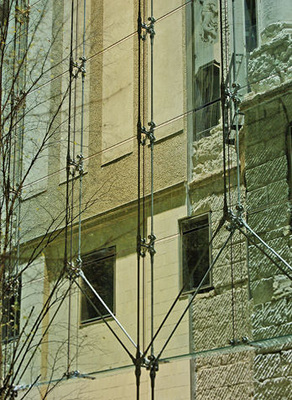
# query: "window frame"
[98,318]
[200,217]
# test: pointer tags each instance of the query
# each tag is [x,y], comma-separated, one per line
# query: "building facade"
[155,216]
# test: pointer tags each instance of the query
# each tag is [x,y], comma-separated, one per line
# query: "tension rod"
[81,273]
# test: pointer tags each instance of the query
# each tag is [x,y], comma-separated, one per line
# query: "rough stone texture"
[271,64]
[207,155]
[224,310]
[224,376]
[273,376]
[272,318]
[261,308]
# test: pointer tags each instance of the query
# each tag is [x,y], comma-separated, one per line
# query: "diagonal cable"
[270,249]
[221,223]
[102,317]
[194,295]
[81,273]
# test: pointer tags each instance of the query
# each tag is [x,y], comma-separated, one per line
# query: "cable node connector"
[78,374]
[234,95]
[78,67]
[148,134]
[239,207]
[152,363]
[82,65]
[148,246]
[148,29]
[74,269]
[143,247]
[234,342]
[238,341]
[76,165]
[80,165]
[151,244]
[235,221]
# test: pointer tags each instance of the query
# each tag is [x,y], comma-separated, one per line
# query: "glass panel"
[168,72]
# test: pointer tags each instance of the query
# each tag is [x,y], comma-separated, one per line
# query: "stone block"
[269,219]
[286,359]
[271,171]
[276,313]
[278,191]
[273,389]
[272,331]
[266,150]
[267,366]
[224,376]
[282,286]
[257,198]
[262,291]
[260,268]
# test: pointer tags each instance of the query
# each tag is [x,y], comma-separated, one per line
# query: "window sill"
[94,321]
[203,293]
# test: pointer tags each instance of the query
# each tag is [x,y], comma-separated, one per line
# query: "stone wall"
[224,376]
[259,368]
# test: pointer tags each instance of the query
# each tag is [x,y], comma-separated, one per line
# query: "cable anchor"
[148,246]
[78,67]
[78,374]
[80,164]
[74,269]
[148,134]
[76,165]
[238,341]
[235,221]
[152,364]
[233,94]
[148,29]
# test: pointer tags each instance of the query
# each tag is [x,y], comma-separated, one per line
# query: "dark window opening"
[195,234]
[98,267]
[11,295]
[250,25]
[206,99]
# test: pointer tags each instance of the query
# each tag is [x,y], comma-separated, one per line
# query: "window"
[195,236]
[205,67]
[11,295]
[239,40]
[207,98]
[250,25]
[98,267]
